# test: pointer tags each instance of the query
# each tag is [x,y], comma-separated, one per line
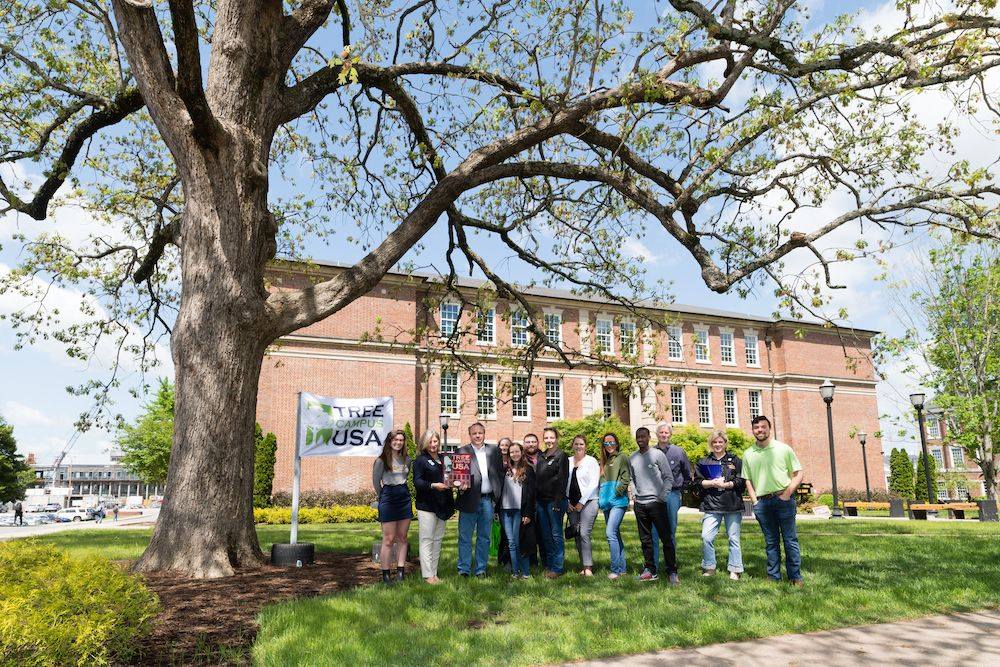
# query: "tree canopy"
[15,474]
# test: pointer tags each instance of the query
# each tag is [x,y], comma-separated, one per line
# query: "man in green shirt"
[773,472]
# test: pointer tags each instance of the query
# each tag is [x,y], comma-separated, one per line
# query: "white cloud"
[19,414]
[635,248]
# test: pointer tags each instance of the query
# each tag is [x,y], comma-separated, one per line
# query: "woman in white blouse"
[581,492]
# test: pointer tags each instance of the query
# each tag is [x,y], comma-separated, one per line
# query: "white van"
[74,514]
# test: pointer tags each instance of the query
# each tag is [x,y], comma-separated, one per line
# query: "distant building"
[950,458]
[104,480]
[705,367]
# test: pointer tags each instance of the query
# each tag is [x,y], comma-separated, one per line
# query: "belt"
[768,496]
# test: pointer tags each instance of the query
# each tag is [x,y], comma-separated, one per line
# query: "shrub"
[340,514]
[878,495]
[326,498]
[694,441]
[825,499]
[593,427]
[60,610]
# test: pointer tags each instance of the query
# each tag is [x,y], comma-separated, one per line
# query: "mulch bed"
[210,621]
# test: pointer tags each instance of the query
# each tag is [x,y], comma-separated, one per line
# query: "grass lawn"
[856,572]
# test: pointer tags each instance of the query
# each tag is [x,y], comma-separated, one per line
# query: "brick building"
[958,479]
[702,366]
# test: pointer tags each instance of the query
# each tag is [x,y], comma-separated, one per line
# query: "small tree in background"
[593,427]
[900,474]
[920,483]
[411,449]
[15,474]
[265,448]
[146,444]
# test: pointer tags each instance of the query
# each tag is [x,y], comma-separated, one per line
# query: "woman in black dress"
[395,507]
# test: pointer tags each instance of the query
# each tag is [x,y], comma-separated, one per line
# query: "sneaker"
[647,576]
[549,574]
[674,579]
[798,583]
[708,572]
[526,577]
[735,576]
[481,575]
[614,576]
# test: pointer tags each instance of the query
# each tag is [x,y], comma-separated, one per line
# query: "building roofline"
[548,292]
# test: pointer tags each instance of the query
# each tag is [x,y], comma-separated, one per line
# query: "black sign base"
[284,555]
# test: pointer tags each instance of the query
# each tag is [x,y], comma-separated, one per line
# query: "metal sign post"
[296,471]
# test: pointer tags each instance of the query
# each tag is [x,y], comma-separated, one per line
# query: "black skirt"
[394,503]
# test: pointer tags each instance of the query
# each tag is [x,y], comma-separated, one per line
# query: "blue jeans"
[777,521]
[512,525]
[550,519]
[710,528]
[613,517]
[480,521]
[673,502]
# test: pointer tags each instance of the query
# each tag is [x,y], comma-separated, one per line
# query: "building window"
[942,490]
[938,457]
[449,317]
[705,406]
[519,401]
[603,336]
[962,489]
[608,403]
[957,457]
[553,398]
[553,328]
[486,332]
[755,403]
[449,392]
[750,342]
[726,347]
[518,328]
[486,398]
[701,345]
[677,404]
[934,429]
[627,334]
[675,345]
[729,402]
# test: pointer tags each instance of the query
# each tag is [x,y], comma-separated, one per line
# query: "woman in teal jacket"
[613,499]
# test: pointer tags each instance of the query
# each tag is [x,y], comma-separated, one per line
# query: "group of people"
[533,487]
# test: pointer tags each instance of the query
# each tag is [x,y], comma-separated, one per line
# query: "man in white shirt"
[475,502]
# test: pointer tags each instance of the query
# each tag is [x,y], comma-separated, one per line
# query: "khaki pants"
[431,530]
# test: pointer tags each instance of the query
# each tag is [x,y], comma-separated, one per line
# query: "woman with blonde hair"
[435,503]
[717,476]
[395,507]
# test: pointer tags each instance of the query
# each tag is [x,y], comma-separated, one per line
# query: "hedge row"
[326,498]
[283,515]
[61,610]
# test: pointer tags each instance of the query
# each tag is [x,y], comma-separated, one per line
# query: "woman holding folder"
[718,477]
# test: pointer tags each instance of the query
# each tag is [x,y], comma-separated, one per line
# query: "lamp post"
[826,391]
[917,399]
[444,427]
[863,438]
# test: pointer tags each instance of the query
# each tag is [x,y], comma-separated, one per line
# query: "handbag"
[570,531]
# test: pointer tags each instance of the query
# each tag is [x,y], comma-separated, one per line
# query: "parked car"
[74,514]
[52,507]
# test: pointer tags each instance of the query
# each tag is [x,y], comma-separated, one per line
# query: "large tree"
[15,474]
[555,130]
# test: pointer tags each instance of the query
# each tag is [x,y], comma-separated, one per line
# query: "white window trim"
[527,331]
[527,399]
[732,333]
[756,334]
[493,328]
[490,417]
[682,404]
[708,344]
[711,417]
[635,335]
[606,317]
[736,406]
[458,392]
[760,392]
[680,342]
[458,319]
[951,451]
[554,311]
[562,398]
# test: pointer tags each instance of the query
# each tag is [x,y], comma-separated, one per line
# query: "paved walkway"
[147,519]
[956,639]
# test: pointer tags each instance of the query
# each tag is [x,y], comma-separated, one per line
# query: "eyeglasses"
[610,442]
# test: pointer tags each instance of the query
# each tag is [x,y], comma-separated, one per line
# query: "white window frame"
[481,394]
[934,429]
[938,455]
[527,398]
[609,348]
[557,383]
[515,315]
[724,334]
[622,338]
[706,346]
[607,403]
[675,391]
[458,392]
[726,393]
[558,338]
[960,463]
[703,391]
[675,336]
[749,334]
[760,402]
[942,491]
[458,316]
[488,321]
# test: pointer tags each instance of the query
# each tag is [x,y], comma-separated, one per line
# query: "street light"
[863,438]
[444,427]
[826,391]
[917,399]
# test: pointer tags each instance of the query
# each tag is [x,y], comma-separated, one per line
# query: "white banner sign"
[343,426]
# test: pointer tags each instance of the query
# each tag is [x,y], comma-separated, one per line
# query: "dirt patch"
[214,621]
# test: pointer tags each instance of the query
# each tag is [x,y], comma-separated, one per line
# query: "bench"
[851,508]
[955,510]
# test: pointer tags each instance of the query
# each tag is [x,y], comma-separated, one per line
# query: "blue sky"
[33,393]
